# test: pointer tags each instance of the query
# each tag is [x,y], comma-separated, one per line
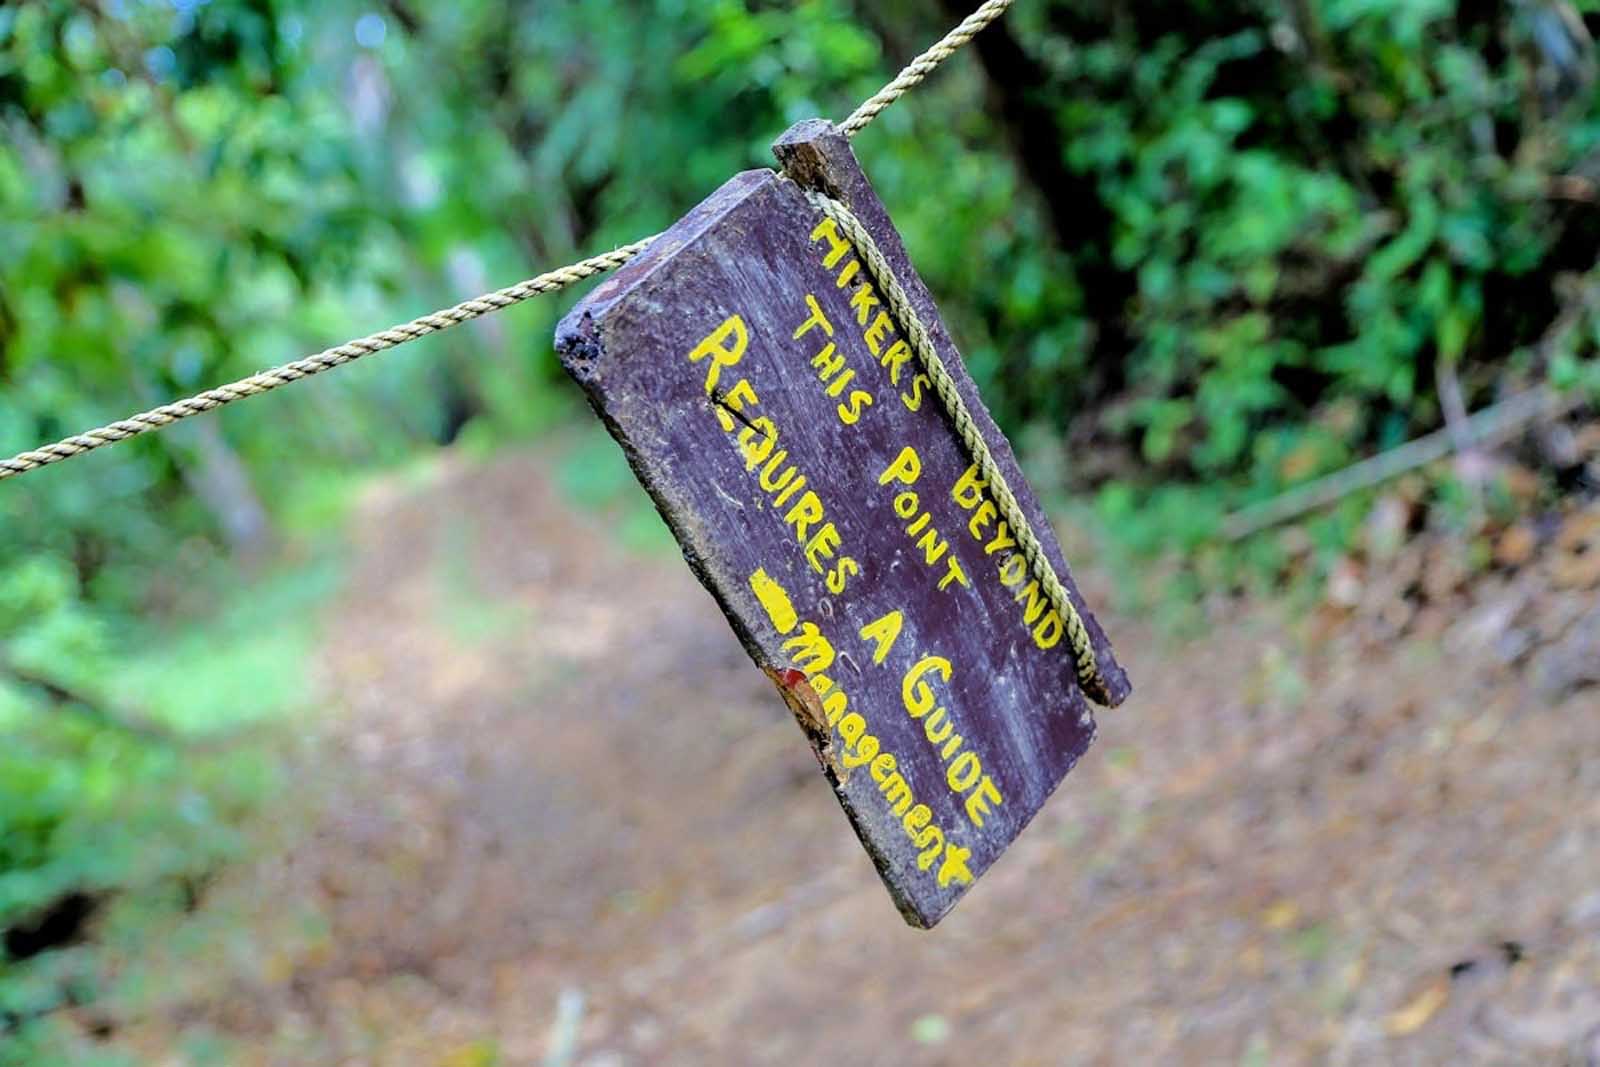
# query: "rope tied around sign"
[549,282]
[944,387]
[943,383]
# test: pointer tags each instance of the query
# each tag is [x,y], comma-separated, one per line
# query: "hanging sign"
[775,409]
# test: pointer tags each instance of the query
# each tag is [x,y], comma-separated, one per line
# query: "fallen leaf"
[1577,563]
[1515,546]
[1415,1015]
[1280,915]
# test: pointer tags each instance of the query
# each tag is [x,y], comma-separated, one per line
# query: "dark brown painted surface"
[749,251]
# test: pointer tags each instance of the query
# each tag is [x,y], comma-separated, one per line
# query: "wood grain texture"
[962,703]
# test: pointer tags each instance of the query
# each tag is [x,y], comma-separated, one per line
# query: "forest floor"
[552,815]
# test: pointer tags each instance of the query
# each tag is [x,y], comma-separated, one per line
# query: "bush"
[1297,213]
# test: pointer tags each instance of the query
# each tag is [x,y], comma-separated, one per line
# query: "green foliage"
[1310,208]
[593,474]
[125,778]
[1208,248]
[1263,211]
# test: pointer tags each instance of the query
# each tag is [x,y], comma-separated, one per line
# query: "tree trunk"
[1082,225]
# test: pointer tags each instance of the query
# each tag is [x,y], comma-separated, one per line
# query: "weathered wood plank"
[769,406]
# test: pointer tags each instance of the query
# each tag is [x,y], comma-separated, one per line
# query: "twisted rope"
[944,387]
[266,381]
[349,352]
[924,65]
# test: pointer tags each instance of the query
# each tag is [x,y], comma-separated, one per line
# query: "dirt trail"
[566,814]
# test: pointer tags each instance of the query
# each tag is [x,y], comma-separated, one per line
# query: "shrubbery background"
[1202,251]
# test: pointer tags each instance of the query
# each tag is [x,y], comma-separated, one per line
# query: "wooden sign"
[775,411]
